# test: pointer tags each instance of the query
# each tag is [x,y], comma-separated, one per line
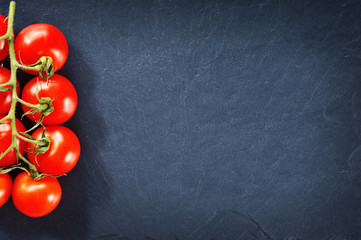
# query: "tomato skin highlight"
[36,198]
[5,142]
[58,88]
[5,97]
[63,153]
[39,40]
[4,44]
[6,185]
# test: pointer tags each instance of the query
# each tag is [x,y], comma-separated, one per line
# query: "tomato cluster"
[38,197]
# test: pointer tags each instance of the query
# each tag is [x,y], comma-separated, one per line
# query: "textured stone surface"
[207,120]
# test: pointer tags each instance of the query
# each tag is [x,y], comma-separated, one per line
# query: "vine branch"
[44,65]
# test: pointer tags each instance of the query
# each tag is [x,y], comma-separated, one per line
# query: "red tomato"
[5,97]
[4,45]
[5,142]
[39,40]
[58,88]
[36,198]
[63,153]
[6,185]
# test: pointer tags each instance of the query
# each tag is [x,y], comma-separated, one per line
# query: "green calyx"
[45,107]
[42,145]
[45,67]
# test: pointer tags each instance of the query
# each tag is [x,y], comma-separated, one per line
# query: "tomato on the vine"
[36,198]
[58,88]
[4,45]
[6,185]
[62,155]
[39,40]
[5,97]
[5,142]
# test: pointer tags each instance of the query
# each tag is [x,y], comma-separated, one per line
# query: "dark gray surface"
[207,120]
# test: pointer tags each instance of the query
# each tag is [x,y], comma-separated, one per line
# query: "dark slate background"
[207,120]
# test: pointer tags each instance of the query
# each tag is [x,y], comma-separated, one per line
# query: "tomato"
[5,97]
[58,88]
[63,153]
[39,40]
[6,185]
[36,198]
[4,45]
[5,142]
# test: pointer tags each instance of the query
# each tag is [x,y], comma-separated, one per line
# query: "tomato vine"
[45,67]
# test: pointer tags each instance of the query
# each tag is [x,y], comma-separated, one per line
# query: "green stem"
[7,151]
[4,37]
[4,85]
[27,104]
[35,142]
[32,167]
[13,68]
[7,117]
[33,68]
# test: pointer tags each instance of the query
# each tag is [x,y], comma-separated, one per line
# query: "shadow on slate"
[354,164]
